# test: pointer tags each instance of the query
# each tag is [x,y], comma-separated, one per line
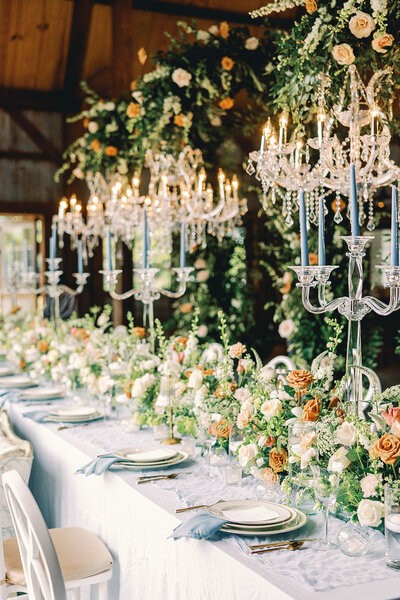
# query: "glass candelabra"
[53,287]
[354,306]
[147,291]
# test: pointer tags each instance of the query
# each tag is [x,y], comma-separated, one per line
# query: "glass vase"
[302,451]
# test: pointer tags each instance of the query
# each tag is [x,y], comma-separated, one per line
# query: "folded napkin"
[9,396]
[37,415]
[98,466]
[201,527]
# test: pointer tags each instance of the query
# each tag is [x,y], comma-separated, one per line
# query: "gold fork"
[274,544]
[158,478]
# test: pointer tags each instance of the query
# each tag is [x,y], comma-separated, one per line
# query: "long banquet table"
[136,521]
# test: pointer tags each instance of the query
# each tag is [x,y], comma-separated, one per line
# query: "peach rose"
[243,418]
[224,29]
[227,63]
[266,441]
[181,77]
[313,259]
[311,6]
[95,145]
[387,448]
[311,410]
[299,379]
[391,415]
[85,122]
[220,428]
[22,364]
[111,151]
[186,307]
[236,350]
[133,110]
[361,25]
[278,460]
[43,346]
[139,332]
[226,103]
[225,389]
[381,42]
[178,120]
[343,54]
[133,85]
[268,475]
[142,55]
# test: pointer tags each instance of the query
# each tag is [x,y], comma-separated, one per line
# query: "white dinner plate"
[42,393]
[182,456]
[292,525]
[153,454]
[83,419]
[75,412]
[282,524]
[16,381]
[250,512]
[6,370]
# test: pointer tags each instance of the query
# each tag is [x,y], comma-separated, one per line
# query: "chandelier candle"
[183,247]
[355,227]
[303,230]
[109,250]
[321,234]
[395,229]
[26,259]
[145,240]
[80,257]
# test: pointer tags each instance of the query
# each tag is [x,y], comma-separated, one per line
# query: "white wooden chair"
[51,564]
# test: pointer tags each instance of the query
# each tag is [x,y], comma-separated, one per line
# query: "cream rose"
[247,453]
[286,328]
[195,379]
[242,395]
[243,418]
[266,374]
[368,485]
[93,126]
[381,42]
[345,434]
[395,429]
[370,513]
[361,25]
[338,460]
[251,43]
[181,77]
[271,408]
[343,54]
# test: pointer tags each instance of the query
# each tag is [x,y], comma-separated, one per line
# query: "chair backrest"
[42,571]
[281,360]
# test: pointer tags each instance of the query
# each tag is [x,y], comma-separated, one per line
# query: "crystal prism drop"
[289,220]
[250,170]
[370,225]
[338,218]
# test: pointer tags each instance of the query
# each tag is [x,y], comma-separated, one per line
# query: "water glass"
[160,432]
[353,539]
[326,488]
[233,474]
[188,445]
[392,526]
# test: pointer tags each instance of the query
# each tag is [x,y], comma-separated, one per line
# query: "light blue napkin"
[200,527]
[9,396]
[98,466]
[37,415]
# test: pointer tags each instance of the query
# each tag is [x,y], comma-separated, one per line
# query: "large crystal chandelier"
[355,131]
[177,192]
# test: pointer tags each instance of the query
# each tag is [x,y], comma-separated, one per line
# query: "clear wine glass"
[326,488]
[207,440]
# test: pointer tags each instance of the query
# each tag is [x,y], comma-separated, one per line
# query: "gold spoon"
[295,545]
[272,545]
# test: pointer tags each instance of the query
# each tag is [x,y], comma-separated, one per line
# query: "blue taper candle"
[80,256]
[395,229]
[355,226]
[26,256]
[183,246]
[109,250]
[321,233]
[52,253]
[303,230]
[145,240]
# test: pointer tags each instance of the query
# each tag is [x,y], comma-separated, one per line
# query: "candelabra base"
[171,441]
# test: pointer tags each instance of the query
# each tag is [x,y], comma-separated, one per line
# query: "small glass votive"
[353,540]
[188,445]
[392,526]
[160,432]
[270,491]
[233,474]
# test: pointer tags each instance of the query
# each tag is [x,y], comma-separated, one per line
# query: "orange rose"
[42,346]
[311,410]
[381,42]
[142,55]
[227,63]
[278,460]
[313,259]
[139,332]
[133,85]
[85,122]
[95,145]
[111,151]
[342,205]
[333,402]
[387,448]
[14,310]
[186,307]
[22,364]
[311,6]
[268,476]
[127,390]
[226,103]
[287,281]
[178,120]
[268,442]
[224,29]
[300,379]
[182,340]
[133,110]
[220,429]
[225,389]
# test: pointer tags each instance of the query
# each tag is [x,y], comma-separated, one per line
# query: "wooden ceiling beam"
[122,44]
[42,142]
[23,155]
[78,42]
[31,99]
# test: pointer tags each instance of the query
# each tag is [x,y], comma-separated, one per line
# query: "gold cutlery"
[72,426]
[180,510]
[273,544]
[158,478]
[295,545]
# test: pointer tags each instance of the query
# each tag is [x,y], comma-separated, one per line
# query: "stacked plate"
[6,370]
[16,382]
[139,459]
[257,517]
[42,393]
[75,414]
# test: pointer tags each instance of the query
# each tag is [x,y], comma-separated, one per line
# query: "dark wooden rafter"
[122,44]
[31,99]
[79,36]
[22,155]
[42,142]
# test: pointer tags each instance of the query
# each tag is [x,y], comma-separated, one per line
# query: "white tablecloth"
[135,522]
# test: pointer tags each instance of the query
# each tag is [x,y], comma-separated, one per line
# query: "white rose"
[102,320]
[108,106]
[216,121]
[171,368]
[181,77]
[251,43]
[78,173]
[368,485]
[282,395]
[370,513]
[213,353]
[286,328]
[266,374]
[247,453]
[338,460]
[138,389]
[93,126]
[361,25]
[346,434]
[104,384]
[271,408]
[195,379]
[242,395]
[52,356]
[202,35]
[31,354]
[202,331]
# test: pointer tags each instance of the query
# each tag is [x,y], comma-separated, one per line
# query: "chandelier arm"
[318,310]
[380,307]
[180,291]
[134,292]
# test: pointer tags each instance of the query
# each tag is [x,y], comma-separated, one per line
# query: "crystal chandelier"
[177,193]
[355,131]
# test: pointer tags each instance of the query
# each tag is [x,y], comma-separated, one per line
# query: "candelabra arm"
[182,275]
[326,307]
[380,307]
[125,295]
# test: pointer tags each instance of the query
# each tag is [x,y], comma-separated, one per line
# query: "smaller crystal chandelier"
[355,131]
